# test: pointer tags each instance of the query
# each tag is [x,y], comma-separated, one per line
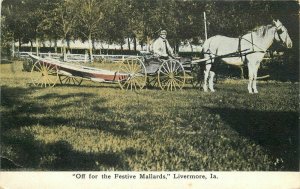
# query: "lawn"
[98,127]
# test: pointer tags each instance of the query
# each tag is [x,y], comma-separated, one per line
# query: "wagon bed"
[46,72]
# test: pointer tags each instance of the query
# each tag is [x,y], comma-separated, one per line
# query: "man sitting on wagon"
[161,47]
[161,50]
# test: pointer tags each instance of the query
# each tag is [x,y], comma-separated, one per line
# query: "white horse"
[250,49]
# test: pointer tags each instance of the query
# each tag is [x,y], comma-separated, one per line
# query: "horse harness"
[241,52]
[279,31]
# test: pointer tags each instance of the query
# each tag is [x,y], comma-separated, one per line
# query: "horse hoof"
[255,92]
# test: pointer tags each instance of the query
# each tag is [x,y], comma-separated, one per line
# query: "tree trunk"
[191,47]
[31,46]
[142,46]
[94,45]
[64,49]
[68,44]
[37,46]
[13,49]
[148,43]
[134,43]
[128,41]
[90,47]
[55,45]
[20,44]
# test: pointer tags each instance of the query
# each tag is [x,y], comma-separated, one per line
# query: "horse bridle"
[279,31]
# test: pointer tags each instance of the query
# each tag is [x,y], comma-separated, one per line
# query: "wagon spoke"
[180,81]
[169,84]
[46,66]
[135,68]
[173,85]
[178,84]
[39,84]
[75,79]
[67,80]
[132,66]
[48,81]
[177,69]
[168,67]
[127,85]
[165,71]
[64,78]
[44,82]
[165,74]
[138,83]
[138,68]
[126,68]
[38,67]
[52,70]
[172,66]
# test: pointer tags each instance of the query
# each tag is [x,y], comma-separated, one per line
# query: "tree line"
[113,21]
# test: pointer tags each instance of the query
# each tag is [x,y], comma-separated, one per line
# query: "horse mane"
[261,30]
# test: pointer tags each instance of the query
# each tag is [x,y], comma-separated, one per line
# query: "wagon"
[133,73]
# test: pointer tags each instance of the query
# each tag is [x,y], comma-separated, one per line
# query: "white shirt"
[160,47]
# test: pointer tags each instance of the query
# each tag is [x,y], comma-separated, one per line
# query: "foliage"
[124,18]
[100,127]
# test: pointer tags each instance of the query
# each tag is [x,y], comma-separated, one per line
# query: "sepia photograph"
[168,91]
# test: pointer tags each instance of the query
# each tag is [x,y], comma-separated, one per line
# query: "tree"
[116,21]
[89,14]
[61,22]
[14,22]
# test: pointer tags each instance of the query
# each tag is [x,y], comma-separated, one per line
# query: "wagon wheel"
[132,74]
[44,74]
[171,75]
[69,80]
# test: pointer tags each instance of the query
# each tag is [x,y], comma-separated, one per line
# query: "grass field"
[100,127]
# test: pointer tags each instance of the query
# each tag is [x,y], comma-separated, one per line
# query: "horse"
[248,49]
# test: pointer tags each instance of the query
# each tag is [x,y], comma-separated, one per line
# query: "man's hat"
[163,32]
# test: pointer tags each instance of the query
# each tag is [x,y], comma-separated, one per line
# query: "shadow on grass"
[58,156]
[277,132]
[19,109]
[22,112]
